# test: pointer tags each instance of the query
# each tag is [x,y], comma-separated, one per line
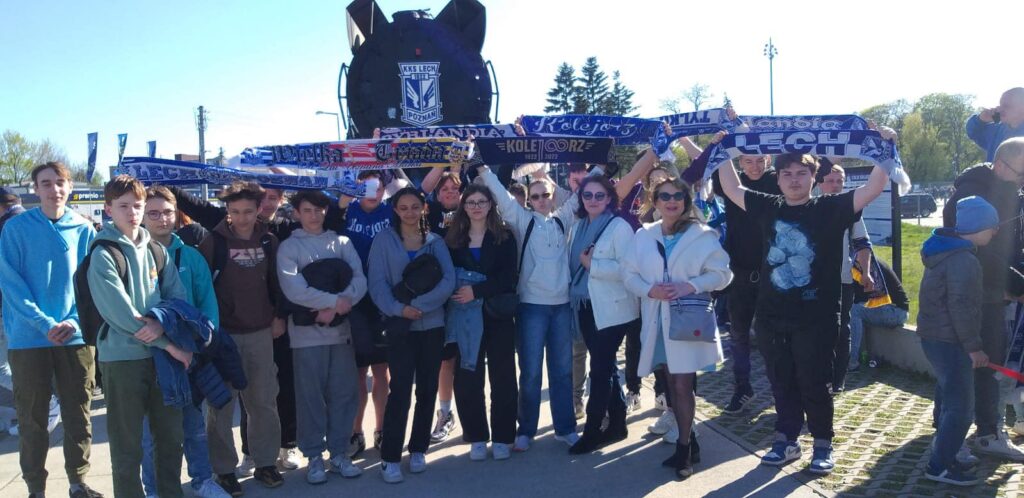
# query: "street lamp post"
[337,120]
[770,51]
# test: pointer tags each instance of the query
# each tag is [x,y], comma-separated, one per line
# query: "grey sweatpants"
[326,398]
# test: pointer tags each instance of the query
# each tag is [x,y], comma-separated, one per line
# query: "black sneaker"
[229,483]
[356,444]
[268,476]
[739,401]
[83,491]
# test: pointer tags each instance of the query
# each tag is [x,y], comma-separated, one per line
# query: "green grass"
[913,237]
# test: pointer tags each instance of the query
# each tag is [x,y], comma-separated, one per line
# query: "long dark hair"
[396,221]
[689,214]
[458,231]
[606,184]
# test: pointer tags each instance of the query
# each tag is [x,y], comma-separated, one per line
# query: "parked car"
[917,205]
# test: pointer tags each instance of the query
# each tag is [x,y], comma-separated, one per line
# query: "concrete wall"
[898,347]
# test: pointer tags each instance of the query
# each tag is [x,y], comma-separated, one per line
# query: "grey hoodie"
[951,289]
[301,249]
[387,260]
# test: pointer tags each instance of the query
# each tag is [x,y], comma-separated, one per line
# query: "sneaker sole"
[950,481]
[270,485]
[818,471]
[346,476]
[316,483]
[779,463]
[997,454]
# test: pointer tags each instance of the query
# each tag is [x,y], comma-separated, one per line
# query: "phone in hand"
[996,118]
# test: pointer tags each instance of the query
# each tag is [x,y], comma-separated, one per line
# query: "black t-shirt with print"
[439,218]
[803,254]
[743,238]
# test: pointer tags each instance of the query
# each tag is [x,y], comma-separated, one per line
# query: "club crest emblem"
[421,98]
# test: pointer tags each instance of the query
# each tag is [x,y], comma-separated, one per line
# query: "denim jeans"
[197,452]
[954,400]
[888,316]
[540,326]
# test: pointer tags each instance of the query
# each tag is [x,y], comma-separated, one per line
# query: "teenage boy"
[240,251]
[161,216]
[797,309]
[743,242]
[950,325]
[325,365]
[127,338]
[41,326]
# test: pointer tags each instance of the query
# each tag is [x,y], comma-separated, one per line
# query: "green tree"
[16,158]
[562,97]
[593,88]
[948,113]
[923,152]
[889,114]
[620,99]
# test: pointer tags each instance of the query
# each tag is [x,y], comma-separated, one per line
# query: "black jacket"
[331,275]
[497,261]
[999,256]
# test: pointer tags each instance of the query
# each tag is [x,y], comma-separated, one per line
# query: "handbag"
[691,318]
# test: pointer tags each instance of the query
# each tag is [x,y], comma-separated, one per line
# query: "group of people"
[430,288]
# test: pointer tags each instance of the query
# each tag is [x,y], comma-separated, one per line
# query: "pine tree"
[562,98]
[593,87]
[726,102]
[620,99]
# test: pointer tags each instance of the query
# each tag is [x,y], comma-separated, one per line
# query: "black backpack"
[89,318]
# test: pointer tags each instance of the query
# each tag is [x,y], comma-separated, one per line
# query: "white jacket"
[544,278]
[697,259]
[612,303]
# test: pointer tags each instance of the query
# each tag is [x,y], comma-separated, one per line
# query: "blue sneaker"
[782,452]
[953,475]
[821,461]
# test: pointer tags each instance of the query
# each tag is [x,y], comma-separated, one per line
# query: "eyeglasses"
[597,196]
[478,204]
[542,195]
[665,196]
[157,215]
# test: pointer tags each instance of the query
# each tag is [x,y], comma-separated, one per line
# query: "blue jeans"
[541,326]
[954,400]
[197,451]
[888,316]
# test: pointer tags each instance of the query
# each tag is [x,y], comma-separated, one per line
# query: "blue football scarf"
[151,171]
[867,145]
[459,132]
[521,150]
[364,154]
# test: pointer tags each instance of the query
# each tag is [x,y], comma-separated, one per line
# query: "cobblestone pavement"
[883,431]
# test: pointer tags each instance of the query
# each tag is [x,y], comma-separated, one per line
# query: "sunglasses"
[665,196]
[478,204]
[542,195]
[597,196]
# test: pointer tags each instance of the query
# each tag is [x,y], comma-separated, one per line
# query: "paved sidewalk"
[631,468]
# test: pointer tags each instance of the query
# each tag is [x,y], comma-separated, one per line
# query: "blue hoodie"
[38,259]
[195,277]
[988,136]
[943,240]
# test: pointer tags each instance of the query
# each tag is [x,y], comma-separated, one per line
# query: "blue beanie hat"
[974,214]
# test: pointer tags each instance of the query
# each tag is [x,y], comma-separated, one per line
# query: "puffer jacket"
[950,297]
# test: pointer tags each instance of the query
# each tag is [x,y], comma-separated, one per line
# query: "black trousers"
[498,347]
[798,360]
[415,357]
[605,390]
[842,351]
[285,396]
[741,304]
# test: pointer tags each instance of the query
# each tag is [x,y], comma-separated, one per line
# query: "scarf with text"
[520,150]
[459,132]
[364,154]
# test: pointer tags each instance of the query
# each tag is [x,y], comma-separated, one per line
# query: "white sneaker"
[13,430]
[522,444]
[210,489]
[964,457]
[660,403]
[998,445]
[672,436]
[478,452]
[391,472]
[417,462]
[632,402]
[1018,428]
[344,466]
[54,418]
[569,439]
[288,458]
[247,468]
[315,473]
[501,451]
[665,423]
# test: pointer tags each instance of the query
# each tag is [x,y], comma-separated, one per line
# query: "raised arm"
[639,170]
[200,210]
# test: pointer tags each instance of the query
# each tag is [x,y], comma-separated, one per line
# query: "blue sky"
[263,69]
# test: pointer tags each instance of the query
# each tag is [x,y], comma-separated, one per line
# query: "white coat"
[697,259]
[612,303]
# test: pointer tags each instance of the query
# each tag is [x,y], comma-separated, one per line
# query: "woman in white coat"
[696,263]
[603,310]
